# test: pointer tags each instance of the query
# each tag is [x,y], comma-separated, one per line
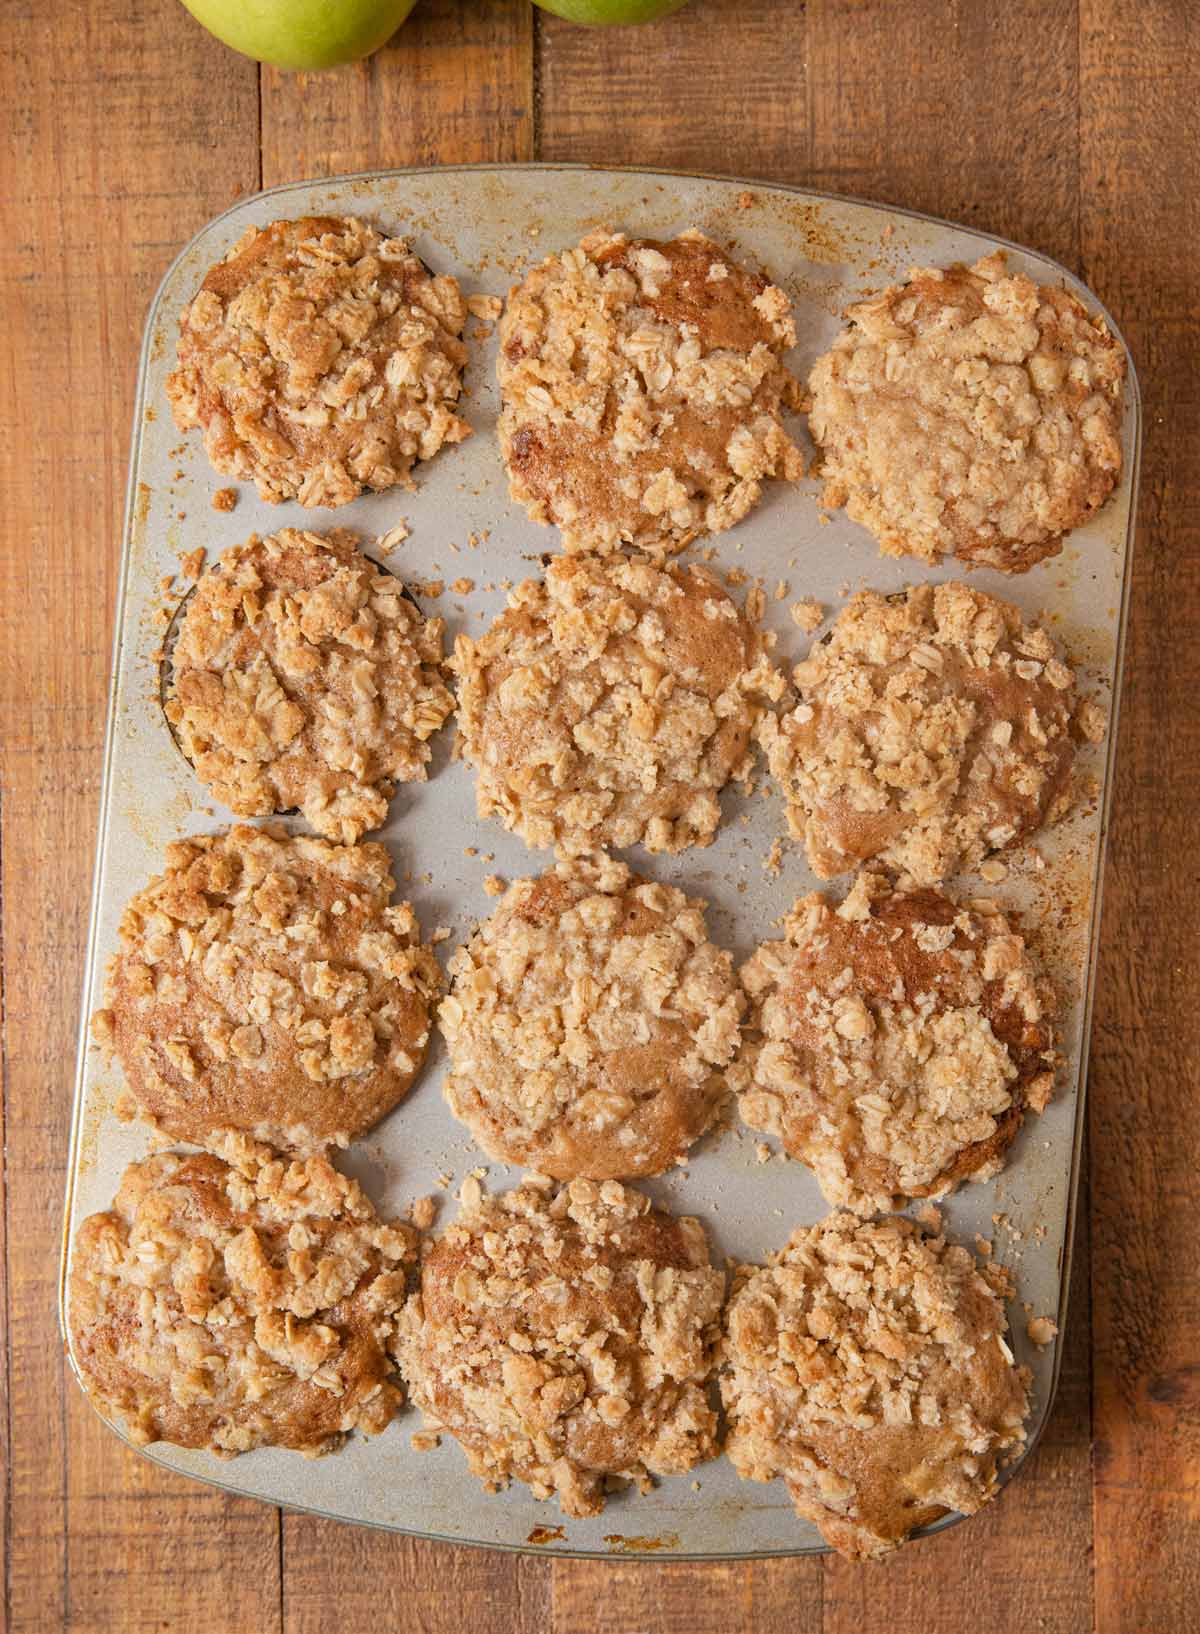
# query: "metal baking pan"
[485,224]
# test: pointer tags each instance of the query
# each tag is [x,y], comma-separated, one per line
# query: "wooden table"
[1071,125]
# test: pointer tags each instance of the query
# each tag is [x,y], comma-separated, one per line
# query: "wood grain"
[110,107]
[455,86]
[1140,227]
[1072,127]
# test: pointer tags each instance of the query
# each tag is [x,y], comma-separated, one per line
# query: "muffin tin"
[485,224]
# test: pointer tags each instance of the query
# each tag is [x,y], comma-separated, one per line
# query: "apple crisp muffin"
[895,1042]
[320,359]
[867,1364]
[970,412]
[303,678]
[264,984]
[239,1305]
[564,1336]
[589,1023]
[610,704]
[643,391]
[933,727]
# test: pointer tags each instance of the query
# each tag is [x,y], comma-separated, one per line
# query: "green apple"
[303,34]
[599,13]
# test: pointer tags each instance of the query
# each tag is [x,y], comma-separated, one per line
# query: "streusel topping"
[867,1365]
[264,984]
[565,1335]
[320,359]
[302,677]
[241,1304]
[933,727]
[894,1042]
[611,703]
[589,1022]
[970,412]
[643,391]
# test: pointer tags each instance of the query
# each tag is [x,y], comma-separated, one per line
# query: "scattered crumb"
[463,587]
[745,201]
[736,576]
[756,604]
[762,1152]
[395,535]
[432,588]
[773,860]
[425,1440]
[423,1212]
[165,583]
[486,307]
[983,1247]
[494,885]
[443,1180]
[442,934]
[807,613]
[192,562]
[225,499]
[781,590]
[1041,1330]
[470,851]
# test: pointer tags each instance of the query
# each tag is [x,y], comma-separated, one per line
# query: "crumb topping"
[895,1042]
[242,1304]
[320,359]
[589,1022]
[643,391]
[972,413]
[564,1335]
[867,1365]
[610,704]
[302,677]
[263,983]
[932,728]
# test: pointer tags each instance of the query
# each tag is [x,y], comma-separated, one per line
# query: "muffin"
[894,1043]
[611,703]
[934,727]
[265,984]
[236,1306]
[302,678]
[564,1336]
[643,391]
[867,1365]
[969,412]
[320,359]
[588,1024]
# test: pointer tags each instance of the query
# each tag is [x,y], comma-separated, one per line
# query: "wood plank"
[719,86]
[454,86]
[111,105]
[964,110]
[908,113]
[1140,181]
[728,1597]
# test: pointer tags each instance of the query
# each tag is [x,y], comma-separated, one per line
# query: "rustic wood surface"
[1071,126]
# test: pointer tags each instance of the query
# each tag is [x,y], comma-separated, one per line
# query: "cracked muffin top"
[969,412]
[642,391]
[564,1336]
[895,1042]
[266,984]
[303,678]
[589,1022]
[242,1304]
[320,359]
[867,1365]
[610,704]
[933,728]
